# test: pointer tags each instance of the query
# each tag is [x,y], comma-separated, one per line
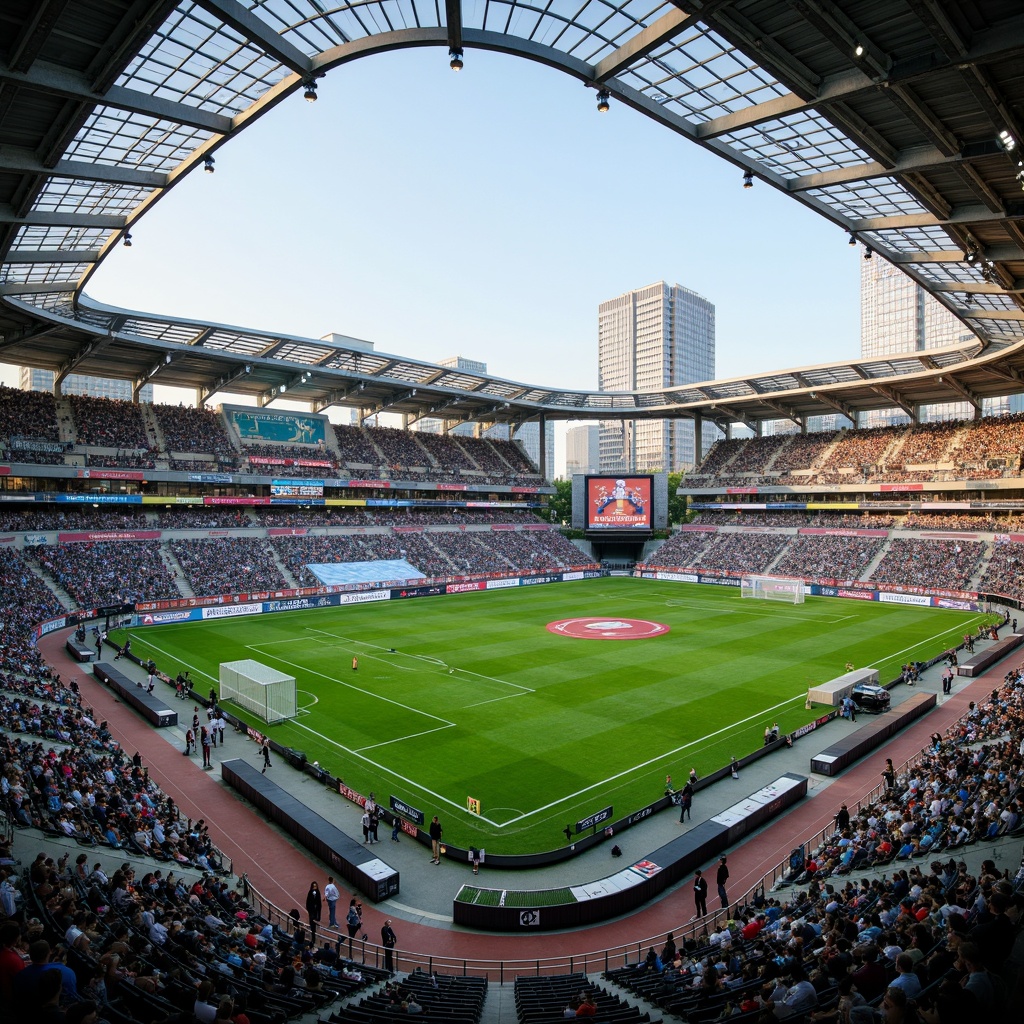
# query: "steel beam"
[256,30]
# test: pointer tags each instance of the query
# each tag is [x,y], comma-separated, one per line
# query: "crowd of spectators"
[108,423]
[975,521]
[883,911]
[120,460]
[946,564]
[355,445]
[107,572]
[222,566]
[68,517]
[26,601]
[834,556]
[213,517]
[1004,573]
[191,429]
[971,450]
[29,414]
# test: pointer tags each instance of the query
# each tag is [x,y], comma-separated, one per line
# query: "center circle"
[609,628]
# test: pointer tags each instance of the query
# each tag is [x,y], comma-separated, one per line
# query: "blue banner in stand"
[416,816]
[594,820]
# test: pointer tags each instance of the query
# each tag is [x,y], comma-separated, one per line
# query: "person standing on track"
[700,895]
[331,895]
[435,840]
[388,940]
[722,878]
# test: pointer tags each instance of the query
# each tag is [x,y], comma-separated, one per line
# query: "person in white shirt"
[332,895]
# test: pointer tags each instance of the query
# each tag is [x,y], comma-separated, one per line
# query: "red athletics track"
[282,873]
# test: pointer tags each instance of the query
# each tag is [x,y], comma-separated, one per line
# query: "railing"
[497,971]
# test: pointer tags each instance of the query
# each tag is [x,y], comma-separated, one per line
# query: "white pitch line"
[479,703]
[436,662]
[644,764]
[920,643]
[395,775]
[357,689]
[401,739]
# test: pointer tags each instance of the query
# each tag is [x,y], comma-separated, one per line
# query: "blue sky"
[485,213]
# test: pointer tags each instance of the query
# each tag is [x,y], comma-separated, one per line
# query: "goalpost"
[258,688]
[773,588]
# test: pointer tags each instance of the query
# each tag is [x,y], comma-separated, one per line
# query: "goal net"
[258,688]
[773,588]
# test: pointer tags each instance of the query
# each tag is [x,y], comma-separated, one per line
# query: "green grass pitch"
[480,700]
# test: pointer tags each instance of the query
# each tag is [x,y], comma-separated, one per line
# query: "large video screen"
[619,503]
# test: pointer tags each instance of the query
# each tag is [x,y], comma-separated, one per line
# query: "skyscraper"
[583,449]
[654,337]
[898,316]
[528,435]
[31,379]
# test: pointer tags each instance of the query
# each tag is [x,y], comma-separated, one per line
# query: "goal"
[773,588]
[258,688]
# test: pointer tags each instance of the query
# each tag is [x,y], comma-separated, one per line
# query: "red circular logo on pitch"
[608,629]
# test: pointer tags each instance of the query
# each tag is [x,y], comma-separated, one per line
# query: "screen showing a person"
[619,503]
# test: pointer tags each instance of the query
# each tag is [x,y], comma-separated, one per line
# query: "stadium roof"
[902,121]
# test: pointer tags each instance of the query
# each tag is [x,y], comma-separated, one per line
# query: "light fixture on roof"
[309,93]
[248,367]
[970,256]
[858,50]
[853,239]
[970,302]
[283,388]
[1007,141]
[208,165]
[127,243]
[868,252]
[602,101]
[748,179]
[455,60]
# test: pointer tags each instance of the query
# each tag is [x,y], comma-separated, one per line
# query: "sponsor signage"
[407,810]
[502,584]
[677,577]
[647,868]
[593,820]
[235,501]
[962,606]
[110,474]
[28,444]
[52,624]
[159,618]
[282,427]
[529,918]
[907,487]
[364,597]
[297,488]
[720,581]
[209,478]
[370,483]
[35,538]
[219,612]
[619,503]
[101,499]
[741,490]
[418,592]
[568,577]
[607,629]
[462,588]
[530,580]
[890,598]
[288,531]
[99,535]
[452,487]
[640,815]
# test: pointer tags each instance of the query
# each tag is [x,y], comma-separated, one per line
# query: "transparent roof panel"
[71,194]
[913,239]
[799,144]
[877,197]
[193,58]
[124,138]
[33,237]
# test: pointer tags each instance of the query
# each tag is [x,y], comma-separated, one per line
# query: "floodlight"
[208,165]
[309,93]
[602,101]
[127,240]
[853,239]
[748,179]
[868,252]
[455,60]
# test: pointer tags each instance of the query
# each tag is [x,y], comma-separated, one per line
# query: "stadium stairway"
[175,569]
[873,564]
[986,558]
[66,600]
[154,435]
[283,569]
[65,422]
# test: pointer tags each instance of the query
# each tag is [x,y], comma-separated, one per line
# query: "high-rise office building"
[433,425]
[650,338]
[583,449]
[31,379]
[897,316]
[528,435]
